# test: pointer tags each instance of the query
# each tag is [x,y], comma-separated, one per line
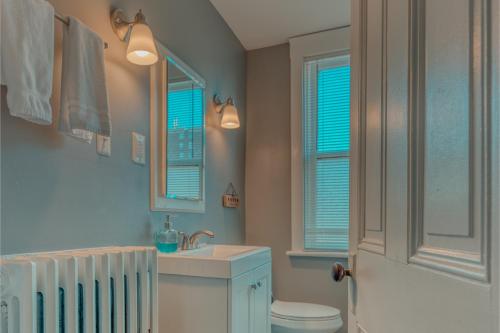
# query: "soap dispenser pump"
[166,239]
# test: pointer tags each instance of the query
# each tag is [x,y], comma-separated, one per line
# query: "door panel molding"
[465,264]
[460,244]
[361,329]
[373,121]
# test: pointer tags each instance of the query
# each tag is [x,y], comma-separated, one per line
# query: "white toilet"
[290,317]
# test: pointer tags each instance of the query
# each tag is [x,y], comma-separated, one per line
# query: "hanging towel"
[27,57]
[84,99]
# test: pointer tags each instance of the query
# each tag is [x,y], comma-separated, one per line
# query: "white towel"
[84,99]
[27,52]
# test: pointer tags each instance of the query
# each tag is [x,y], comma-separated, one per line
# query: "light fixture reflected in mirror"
[141,48]
[230,119]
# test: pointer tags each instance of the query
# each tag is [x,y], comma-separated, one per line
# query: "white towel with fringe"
[27,58]
[84,98]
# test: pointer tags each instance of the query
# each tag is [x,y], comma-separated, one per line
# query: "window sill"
[313,254]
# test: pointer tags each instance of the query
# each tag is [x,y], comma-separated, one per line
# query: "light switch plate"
[103,145]
[138,148]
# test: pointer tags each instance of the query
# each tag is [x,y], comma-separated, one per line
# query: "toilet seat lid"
[303,311]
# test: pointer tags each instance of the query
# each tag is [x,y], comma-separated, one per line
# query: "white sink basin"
[217,261]
[218,251]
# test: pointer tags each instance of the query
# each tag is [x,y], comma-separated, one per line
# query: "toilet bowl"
[291,317]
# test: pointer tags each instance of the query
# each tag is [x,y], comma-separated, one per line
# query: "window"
[326,137]
[184,141]
[319,126]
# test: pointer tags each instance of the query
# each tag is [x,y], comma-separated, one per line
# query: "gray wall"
[268,200]
[58,193]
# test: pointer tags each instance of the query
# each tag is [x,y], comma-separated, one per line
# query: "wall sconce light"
[230,119]
[141,48]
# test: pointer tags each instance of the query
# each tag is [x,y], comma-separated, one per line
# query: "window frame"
[159,132]
[303,48]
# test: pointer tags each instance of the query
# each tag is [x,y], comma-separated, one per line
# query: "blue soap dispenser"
[166,239]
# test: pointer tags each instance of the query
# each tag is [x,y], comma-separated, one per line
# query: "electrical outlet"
[103,145]
[138,148]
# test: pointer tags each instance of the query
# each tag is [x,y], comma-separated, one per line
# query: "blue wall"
[57,193]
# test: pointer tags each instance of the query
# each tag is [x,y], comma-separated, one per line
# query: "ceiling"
[261,23]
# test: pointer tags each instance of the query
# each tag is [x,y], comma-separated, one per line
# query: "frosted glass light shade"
[141,48]
[230,117]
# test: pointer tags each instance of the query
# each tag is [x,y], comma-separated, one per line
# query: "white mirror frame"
[158,136]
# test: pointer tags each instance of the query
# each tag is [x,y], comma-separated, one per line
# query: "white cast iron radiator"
[100,290]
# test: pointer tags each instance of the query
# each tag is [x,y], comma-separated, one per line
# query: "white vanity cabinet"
[216,289]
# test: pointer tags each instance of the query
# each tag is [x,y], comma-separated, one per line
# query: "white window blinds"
[185,141]
[326,137]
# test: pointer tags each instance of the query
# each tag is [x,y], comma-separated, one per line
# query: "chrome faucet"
[191,242]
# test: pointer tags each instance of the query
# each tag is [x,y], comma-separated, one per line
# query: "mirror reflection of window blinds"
[184,141]
[326,130]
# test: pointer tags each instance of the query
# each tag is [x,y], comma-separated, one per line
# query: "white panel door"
[425,166]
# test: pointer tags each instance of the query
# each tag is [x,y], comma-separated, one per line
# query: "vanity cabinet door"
[250,308]
[262,299]
[242,304]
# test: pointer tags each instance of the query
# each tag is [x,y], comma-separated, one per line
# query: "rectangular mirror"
[177,136]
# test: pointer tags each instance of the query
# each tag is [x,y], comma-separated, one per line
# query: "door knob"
[339,272]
